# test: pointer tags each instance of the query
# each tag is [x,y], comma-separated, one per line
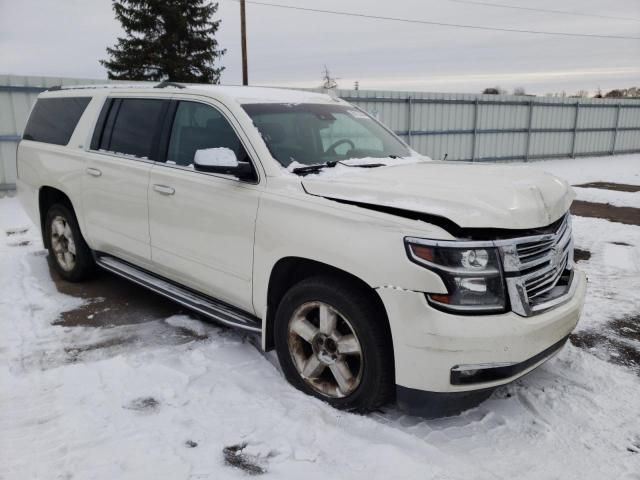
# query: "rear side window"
[132,126]
[53,120]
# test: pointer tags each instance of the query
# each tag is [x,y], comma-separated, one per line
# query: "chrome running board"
[209,307]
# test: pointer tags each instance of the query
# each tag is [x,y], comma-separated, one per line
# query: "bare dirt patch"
[581,255]
[16,231]
[19,243]
[234,457]
[622,244]
[112,301]
[618,187]
[75,353]
[618,341]
[142,404]
[626,215]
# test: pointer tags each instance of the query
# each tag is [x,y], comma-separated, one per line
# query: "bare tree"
[519,91]
[616,93]
[623,93]
[494,91]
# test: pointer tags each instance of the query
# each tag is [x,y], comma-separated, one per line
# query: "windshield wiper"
[319,166]
[313,168]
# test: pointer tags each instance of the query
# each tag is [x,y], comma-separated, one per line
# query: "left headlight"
[471,272]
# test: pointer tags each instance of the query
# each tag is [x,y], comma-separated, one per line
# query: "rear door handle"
[94,172]
[164,190]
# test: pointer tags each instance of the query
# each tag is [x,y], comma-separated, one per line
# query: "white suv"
[374,272]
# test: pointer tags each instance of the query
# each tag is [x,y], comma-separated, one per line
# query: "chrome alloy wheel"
[325,349]
[62,243]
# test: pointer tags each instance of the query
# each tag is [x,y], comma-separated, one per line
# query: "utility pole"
[243,32]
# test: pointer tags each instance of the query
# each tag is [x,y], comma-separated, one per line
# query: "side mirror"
[223,161]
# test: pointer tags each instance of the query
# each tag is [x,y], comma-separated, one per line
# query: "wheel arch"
[48,196]
[288,271]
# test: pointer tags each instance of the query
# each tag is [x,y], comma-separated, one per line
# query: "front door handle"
[94,172]
[164,190]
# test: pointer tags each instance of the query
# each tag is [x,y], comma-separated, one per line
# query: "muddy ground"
[619,339]
[627,215]
[618,187]
[112,301]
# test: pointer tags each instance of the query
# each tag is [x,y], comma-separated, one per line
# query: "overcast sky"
[290,48]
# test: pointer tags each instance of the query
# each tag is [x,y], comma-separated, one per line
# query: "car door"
[116,182]
[201,224]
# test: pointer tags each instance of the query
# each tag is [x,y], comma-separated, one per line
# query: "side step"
[207,306]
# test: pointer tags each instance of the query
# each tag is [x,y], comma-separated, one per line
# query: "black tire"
[367,322]
[83,265]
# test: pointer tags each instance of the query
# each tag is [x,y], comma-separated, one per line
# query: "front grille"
[533,252]
[538,268]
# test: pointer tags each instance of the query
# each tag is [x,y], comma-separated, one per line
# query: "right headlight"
[471,271]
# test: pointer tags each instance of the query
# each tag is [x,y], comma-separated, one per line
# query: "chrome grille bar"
[537,265]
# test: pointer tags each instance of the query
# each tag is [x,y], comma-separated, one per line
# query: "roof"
[240,94]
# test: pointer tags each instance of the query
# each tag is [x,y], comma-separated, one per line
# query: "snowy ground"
[162,399]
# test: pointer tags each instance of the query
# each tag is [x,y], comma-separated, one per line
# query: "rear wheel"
[70,254]
[333,342]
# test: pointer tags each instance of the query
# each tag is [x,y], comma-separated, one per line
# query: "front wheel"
[333,342]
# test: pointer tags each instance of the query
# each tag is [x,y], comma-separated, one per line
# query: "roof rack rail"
[97,86]
[166,83]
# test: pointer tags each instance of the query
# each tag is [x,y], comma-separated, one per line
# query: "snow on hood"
[470,195]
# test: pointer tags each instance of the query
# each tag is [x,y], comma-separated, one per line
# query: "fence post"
[526,153]
[615,131]
[475,131]
[575,130]
[409,120]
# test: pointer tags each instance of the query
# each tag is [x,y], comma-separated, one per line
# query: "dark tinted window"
[135,126]
[197,127]
[53,120]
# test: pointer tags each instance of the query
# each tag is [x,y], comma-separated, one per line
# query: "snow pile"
[618,169]
[599,195]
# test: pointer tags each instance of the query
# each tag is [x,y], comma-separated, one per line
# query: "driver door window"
[197,127]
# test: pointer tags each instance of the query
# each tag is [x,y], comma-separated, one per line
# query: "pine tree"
[166,40]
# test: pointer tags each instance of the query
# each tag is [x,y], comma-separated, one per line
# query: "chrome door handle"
[164,190]
[94,172]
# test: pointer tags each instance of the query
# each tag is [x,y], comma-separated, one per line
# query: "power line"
[562,12]
[439,24]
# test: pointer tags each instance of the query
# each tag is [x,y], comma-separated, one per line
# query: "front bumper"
[429,344]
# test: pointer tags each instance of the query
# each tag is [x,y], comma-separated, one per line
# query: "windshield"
[311,134]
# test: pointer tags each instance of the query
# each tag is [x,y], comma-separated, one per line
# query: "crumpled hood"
[470,195]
